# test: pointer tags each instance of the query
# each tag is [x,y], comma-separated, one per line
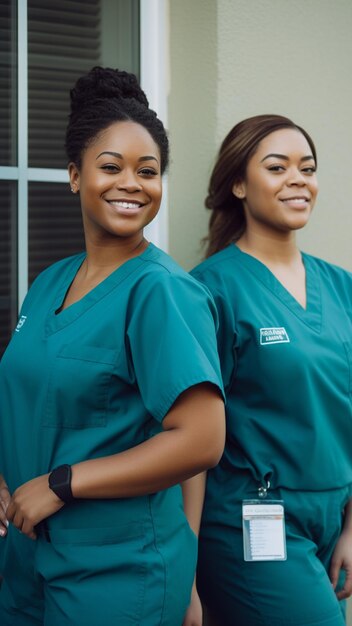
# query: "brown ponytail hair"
[227,222]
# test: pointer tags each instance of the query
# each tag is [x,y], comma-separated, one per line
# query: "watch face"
[61,474]
[60,482]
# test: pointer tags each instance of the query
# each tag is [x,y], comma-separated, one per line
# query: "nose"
[128,181]
[296,177]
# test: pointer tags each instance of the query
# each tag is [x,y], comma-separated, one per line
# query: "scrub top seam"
[155,262]
[60,320]
[155,541]
[243,261]
[61,288]
[88,305]
[300,316]
[317,328]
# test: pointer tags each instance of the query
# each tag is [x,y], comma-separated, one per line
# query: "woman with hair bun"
[110,395]
[276,535]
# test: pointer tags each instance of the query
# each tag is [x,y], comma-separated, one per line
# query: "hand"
[342,559]
[31,503]
[194,613]
[4,502]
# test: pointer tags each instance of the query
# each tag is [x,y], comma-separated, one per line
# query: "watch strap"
[60,483]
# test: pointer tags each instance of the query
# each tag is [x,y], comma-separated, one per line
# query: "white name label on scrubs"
[263,530]
[273,335]
[21,321]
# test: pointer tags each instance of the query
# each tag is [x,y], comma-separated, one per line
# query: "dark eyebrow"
[148,158]
[285,158]
[115,154]
[119,156]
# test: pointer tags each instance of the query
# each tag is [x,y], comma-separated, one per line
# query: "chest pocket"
[78,388]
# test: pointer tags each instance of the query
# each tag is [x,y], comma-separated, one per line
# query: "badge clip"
[263,491]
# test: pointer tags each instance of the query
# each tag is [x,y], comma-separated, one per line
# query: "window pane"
[65,39]
[8,82]
[8,261]
[54,224]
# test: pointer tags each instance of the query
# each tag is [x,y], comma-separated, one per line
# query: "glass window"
[65,39]
[54,225]
[8,82]
[8,261]
[63,42]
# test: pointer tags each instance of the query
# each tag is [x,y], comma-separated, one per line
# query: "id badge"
[264,537]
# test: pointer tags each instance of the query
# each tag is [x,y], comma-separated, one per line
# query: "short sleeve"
[227,336]
[228,339]
[172,339]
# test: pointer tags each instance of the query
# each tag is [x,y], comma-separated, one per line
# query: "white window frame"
[154,80]
[154,68]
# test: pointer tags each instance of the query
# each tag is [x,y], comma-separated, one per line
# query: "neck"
[270,248]
[103,256]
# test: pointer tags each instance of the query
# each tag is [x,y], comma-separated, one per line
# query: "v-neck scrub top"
[93,380]
[287,371]
[288,379]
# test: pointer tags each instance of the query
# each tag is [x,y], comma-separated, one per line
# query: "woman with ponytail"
[276,534]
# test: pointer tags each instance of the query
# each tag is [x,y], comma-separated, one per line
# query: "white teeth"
[296,200]
[125,205]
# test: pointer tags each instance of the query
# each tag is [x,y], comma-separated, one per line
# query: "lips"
[296,202]
[298,199]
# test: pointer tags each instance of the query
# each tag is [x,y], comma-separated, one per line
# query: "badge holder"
[263,522]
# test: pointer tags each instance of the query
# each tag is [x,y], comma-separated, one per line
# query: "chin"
[299,223]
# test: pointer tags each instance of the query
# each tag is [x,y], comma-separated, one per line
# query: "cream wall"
[234,58]
[192,121]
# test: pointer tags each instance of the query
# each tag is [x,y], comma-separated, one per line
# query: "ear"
[74,176]
[239,190]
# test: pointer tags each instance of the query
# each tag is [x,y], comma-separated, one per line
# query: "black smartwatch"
[60,483]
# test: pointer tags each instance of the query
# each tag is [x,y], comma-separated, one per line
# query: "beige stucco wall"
[235,58]
[192,121]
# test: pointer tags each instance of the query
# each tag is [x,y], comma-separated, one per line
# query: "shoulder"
[52,274]
[163,290]
[162,272]
[217,263]
[336,281]
[223,272]
[59,267]
[329,271]
[43,285]
[327,268]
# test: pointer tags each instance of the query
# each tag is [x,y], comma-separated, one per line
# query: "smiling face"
[280,187]
[119,183]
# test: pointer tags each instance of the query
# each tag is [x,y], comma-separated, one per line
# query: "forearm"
[347,523]
[193,498]
[4,502]
[193,491]
[192,440]
[166,459]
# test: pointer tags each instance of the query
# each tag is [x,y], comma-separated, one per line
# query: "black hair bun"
[103,83]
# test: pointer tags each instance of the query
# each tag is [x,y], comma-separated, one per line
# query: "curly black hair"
[102,97]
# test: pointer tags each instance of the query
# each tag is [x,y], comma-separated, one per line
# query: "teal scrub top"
[98,377]
[287,372]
